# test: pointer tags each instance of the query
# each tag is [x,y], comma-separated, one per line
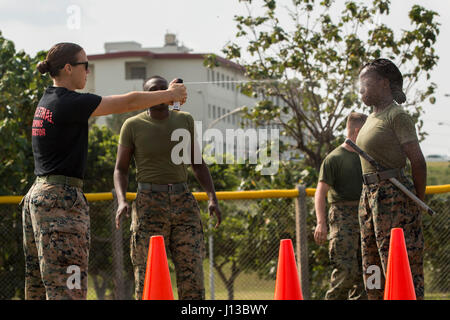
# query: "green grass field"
[248,286]
[438,173]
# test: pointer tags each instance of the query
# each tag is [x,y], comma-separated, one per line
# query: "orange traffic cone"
[287,286]
[157,284]
[399,283]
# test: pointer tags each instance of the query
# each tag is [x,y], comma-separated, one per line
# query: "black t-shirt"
[60,132]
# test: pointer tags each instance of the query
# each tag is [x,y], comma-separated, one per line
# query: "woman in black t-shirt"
[55,212]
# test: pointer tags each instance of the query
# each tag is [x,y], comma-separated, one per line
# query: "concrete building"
[212,93]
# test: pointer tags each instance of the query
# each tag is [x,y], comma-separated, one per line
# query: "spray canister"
[176,104]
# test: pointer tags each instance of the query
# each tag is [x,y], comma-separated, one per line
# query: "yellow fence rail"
[223,195]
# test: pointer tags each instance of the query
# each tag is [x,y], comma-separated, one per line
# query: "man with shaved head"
[341,178]
[164,205]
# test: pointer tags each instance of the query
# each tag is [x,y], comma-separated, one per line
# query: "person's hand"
[178,91]
[320,234]
[213,207]
[123,207]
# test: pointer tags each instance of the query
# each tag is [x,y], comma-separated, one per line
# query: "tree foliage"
[21,87]
[314,61]
[248,238]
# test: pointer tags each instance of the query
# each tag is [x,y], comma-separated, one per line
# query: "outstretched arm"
[138,100]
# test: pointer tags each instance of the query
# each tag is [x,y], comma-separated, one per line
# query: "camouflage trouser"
[383,207]
[175,216]
[56,241]
[345,254]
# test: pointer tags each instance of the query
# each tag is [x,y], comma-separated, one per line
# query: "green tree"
[248,238]
[21,87]
[102,152]
[277,217]
[315,63]
[115,121]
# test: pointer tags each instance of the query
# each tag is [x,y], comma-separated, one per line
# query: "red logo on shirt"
[44,114]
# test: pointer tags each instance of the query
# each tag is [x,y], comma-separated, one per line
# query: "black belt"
[376,177]
[174,188]
[64,180]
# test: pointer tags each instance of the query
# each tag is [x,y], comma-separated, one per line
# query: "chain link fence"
[437,247]
[242,254]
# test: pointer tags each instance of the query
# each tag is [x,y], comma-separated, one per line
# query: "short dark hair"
[146,88]
[58,56]
[385,68]
[356,120]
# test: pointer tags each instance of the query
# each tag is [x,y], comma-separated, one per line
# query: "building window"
[137,73]
[135,70]
[232,84]
[209,111]
[228,83]
[219,110]
[229,117]
[214,112]
[213,76]
[207,74]
[223,81]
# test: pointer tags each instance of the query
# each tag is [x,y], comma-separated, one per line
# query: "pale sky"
[202,25]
